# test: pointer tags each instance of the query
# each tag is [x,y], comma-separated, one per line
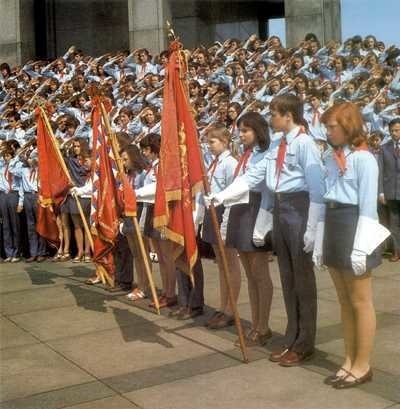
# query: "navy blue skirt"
[208,234]
[241,223]
[69,206]
[340,231]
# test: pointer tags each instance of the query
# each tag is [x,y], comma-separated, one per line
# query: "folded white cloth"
[369,235]
[264,224]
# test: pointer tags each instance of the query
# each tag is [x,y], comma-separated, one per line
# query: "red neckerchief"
[8,177]
[152,167]
[315,117]
[340,157]
[212,167]
[282,154]
[243,162]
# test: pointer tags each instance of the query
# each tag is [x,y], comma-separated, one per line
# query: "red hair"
[348,116]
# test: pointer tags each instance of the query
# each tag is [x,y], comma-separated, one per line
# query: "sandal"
[161,299]
[65,257]
[87,259]
[93,281]
[57,257]
[136,295]
[78,259]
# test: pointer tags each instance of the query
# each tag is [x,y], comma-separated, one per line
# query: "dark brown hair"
[289,103]
[259,125]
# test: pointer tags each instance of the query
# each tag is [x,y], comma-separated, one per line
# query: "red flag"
[54,181]
[180,171]
[111,193]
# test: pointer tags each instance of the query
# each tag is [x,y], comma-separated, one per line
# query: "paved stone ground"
[67,345]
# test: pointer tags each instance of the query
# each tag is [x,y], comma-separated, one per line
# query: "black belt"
[337,205]
[283,196]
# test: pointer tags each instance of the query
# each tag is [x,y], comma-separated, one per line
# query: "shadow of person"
[38,276]
[82,272]
[136,328]
[88,299]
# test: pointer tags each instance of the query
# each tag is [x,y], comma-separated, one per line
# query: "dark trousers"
[394,223]
[123,262]
[37,245]
[11,223]
[189,295]
[296,270]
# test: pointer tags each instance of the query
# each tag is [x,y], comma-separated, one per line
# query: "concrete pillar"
[321,17]
[17,38]
[147,24]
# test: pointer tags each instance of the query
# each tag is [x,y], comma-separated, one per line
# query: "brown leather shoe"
[276,356]
[395,257]
[30,259]
[222,322]
[293,358]
[40,259]
[215,316]
[350,380]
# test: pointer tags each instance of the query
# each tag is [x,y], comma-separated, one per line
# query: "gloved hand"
[212,197]
[315,214]
[74,191]
[317,256]
[358,262]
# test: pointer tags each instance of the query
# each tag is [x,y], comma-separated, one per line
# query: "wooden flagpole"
[134,218]
[221,246]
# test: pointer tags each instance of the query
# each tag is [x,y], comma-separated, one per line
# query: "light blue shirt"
[302,168]
[27,175]
[256,156]
[359,183]
[15,182]
[223,174]
[317,130]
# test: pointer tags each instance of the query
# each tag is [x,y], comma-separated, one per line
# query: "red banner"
[54,182]
[180,171]
[105,209]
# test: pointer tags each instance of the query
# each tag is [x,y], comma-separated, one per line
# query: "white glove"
[121,225]
[74,191]
[318,246]
[146,193]
[315,214]
[212,197]
[237,192]
[264,224]
[358,262]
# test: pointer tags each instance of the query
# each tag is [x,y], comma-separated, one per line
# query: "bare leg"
[66,232]
[263,283]
[348,319]
[76,219]
[252,289]
[360,290]
[235,276]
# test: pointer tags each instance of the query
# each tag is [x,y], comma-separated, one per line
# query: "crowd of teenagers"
[302,150]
